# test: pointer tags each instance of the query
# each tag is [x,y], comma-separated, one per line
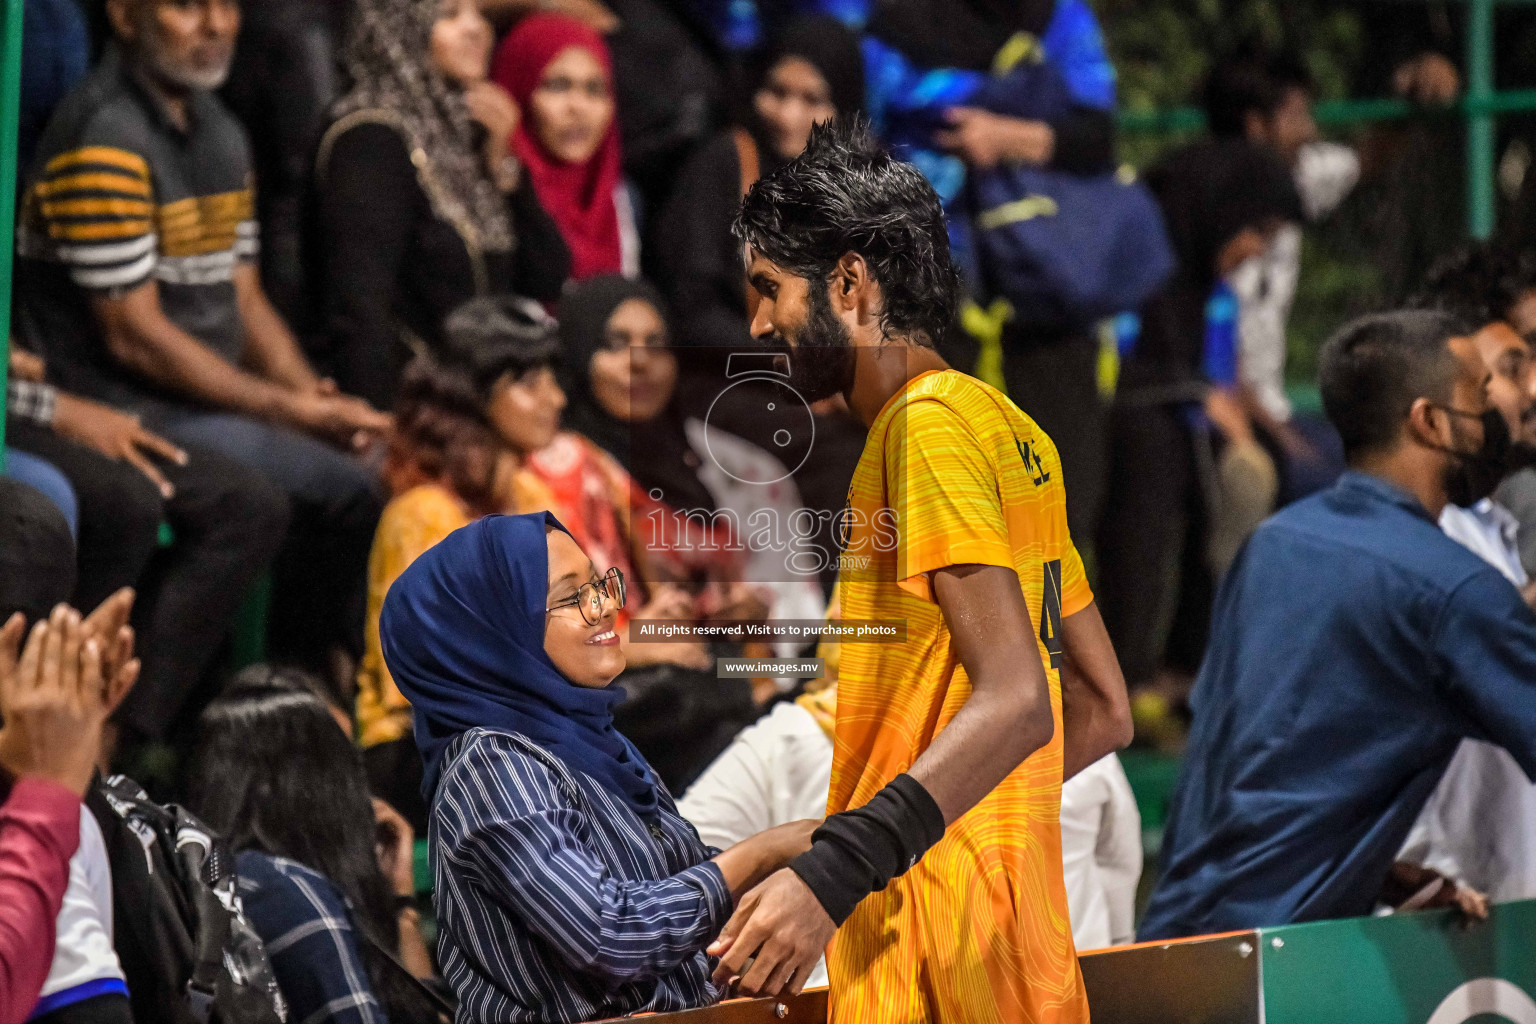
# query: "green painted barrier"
[1152,776]
[248,634]
[1425,968]
[10,101]
[1405,969]
[421,865]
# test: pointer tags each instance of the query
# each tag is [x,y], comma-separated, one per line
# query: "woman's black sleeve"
[697,262]
[369,204]
[543,260]
[1085,141]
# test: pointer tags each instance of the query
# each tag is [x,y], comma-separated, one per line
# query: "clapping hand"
[53,699]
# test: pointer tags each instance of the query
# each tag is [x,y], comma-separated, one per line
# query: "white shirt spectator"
[1266,284]
[85,963]
[1101,854]
[780,768]
[1479,826]
[1491,532]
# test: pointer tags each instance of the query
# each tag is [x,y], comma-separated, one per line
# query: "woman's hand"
[756,857]
[495,109]
[395,845]
[984,139]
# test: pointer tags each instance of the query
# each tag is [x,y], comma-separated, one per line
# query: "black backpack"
[188,952]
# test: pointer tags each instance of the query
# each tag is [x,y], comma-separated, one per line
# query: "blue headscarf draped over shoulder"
[463,636]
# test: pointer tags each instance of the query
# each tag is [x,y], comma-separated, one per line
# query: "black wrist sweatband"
[858,852]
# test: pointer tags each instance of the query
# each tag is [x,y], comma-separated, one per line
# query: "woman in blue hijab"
[567,887]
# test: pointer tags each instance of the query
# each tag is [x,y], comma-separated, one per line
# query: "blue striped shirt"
[555,902]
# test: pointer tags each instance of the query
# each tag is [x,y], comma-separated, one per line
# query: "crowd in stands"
[333,304]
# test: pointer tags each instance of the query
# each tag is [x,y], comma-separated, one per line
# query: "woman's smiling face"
[588,656]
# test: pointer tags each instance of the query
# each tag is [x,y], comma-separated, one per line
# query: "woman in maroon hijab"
[561,75]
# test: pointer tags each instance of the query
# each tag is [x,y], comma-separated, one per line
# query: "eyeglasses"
[589,597]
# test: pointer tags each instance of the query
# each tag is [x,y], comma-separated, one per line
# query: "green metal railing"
[1479,106]
[10,104]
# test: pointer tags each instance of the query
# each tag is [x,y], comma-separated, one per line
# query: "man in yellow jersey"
[939,868]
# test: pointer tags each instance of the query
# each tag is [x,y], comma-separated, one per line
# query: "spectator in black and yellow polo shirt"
[137,281]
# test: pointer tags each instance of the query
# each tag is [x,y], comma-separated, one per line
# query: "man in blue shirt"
[1353,646]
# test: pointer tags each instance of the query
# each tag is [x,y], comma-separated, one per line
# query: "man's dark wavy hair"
[1250,79]
[1479,281]
[846,194]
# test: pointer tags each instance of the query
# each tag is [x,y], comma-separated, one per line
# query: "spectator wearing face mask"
[1266,97]
[1222,201]
[1478,828]
[811,71]
[1505,280]
[423,202]
[1353,646]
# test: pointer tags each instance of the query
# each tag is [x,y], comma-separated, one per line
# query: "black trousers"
[1054,378]
[1154,587]
[228,522]
[320,577]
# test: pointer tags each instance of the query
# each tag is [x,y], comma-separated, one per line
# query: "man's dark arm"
[1095,711]
[270,347]
[1008,714]
[142,338]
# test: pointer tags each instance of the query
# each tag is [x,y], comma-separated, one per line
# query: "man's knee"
[260,512]
[345,494]
[324,484]
[119,505]
[220,497]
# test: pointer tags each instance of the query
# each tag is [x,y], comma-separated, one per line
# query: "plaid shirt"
[30,400]
[303,920]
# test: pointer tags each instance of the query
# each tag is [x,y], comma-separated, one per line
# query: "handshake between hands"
[779,931]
